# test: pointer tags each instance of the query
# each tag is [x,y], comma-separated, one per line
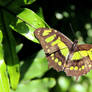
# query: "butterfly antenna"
[76,41]
[72,30]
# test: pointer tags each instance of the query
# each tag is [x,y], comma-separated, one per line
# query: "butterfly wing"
[56,46]
[81,61]
[49,38]
[84,46]
[56,60]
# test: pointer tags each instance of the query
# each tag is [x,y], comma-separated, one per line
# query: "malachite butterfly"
[63,54]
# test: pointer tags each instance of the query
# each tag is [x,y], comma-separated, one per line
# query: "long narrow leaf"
[10,52]
[4,82]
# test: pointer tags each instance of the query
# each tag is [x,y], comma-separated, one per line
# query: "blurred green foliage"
[22,58]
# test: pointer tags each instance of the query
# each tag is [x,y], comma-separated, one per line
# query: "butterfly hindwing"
[81,61]
[56,60]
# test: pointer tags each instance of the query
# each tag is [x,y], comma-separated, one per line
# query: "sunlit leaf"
[77,88]
[90,86]
[34,66]
[89,74]
[63,83]
[27,22]
[4,82]
[39,85]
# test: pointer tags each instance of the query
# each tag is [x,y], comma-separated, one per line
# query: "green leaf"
[90,86]
[63,83]
[10,52]
[89,74]
[37,67]
[26,24]
[77,88]
[4,82]
[39,85]
[1,36]
[89,32]
[19,47]
[1,52]
[29,1]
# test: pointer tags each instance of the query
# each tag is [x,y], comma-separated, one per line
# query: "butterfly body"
[63,54]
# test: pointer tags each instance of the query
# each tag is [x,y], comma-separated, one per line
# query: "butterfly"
[63,54]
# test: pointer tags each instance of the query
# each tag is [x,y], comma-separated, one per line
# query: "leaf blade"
[4,82]
[26,24]
[10,52]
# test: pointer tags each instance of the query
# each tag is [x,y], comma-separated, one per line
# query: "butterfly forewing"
[52,40]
